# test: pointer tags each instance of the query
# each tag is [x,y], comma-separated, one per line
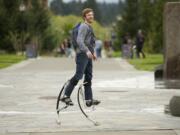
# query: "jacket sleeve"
[81,38]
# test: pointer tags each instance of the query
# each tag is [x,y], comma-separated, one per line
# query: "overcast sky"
[109,1]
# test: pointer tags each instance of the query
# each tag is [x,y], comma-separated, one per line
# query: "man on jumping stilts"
[84,56]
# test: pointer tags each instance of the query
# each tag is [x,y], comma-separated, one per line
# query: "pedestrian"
[125,38]
[127,49]
[84,60]
[108,48]
[140,44]
[98,47]
[68,49]
[126,46]
[62,49]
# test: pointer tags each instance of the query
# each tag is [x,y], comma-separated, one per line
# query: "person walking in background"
[68,48]
[108,48]
[62,49]
[98,47]
[84,56]
[125,38]
[126,46]
[127,49]
[140,44]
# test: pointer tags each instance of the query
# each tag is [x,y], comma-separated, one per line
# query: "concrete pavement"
[130,103]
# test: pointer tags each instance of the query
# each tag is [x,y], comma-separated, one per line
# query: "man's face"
[89,17]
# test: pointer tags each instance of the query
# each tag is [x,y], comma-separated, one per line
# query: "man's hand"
[89,54]
[94,57]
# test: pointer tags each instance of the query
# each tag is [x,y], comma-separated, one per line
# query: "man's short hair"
[86,11]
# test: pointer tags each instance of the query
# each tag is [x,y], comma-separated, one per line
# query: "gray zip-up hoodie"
[85,38]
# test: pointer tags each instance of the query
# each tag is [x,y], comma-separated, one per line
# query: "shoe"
[89,103]
[67,101]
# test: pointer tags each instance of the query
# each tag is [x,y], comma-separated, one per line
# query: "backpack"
[74,35]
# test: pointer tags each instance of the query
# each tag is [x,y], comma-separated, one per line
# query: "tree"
[37,23]
[24,25]
[109,12]
[8,17]
[74,7]
[57,6]
[145,14]
[154,36]
[148,16]
[130,17]
[106,12]
[129,22]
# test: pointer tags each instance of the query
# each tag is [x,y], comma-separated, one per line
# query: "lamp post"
[22,9]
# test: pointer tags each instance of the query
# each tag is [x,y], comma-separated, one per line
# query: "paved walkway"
[130,103]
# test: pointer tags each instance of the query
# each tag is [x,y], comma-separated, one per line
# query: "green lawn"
[149,63]
[116,54]
[9,59]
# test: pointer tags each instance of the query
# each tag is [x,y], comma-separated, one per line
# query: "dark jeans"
[140,50]
[83,67]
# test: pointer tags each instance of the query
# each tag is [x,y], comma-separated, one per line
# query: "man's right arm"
[81,38]
[81,41]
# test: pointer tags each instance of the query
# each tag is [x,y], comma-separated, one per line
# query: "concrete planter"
[174,106]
